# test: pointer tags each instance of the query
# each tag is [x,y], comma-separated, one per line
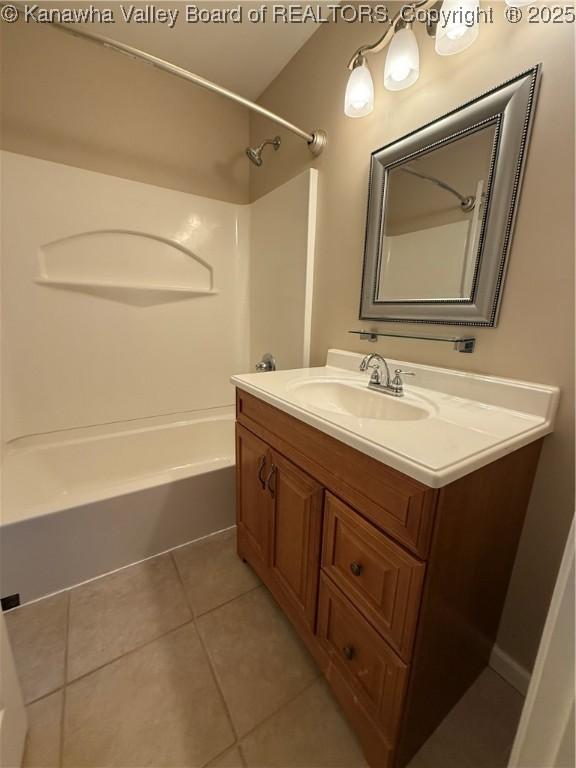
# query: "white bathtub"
[78,504]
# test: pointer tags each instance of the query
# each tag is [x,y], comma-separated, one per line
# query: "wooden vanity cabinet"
[396,588]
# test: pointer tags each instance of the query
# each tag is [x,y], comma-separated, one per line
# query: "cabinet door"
[296,525]
[253,500]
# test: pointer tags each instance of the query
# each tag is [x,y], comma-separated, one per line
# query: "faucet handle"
[376,375]
[397,384]
[364,363]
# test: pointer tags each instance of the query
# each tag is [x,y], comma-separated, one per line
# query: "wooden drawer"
[377,750]
[397,504]
[369,666]
[382,580]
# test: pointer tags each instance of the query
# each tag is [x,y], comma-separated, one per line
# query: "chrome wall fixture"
[255,153]
[316,140]
[465,344]
[455,25]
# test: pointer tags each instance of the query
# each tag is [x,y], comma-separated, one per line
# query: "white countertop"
[473,419]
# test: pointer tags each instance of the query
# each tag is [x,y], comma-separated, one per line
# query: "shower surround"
[126,308]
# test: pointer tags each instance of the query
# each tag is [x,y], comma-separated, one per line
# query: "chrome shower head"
[255,153]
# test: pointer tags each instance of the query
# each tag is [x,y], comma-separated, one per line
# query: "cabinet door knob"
[356,568]
[261,466]
[348,651]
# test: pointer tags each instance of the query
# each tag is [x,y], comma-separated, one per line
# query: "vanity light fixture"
[457,33]
[454,24]
[359,97]
[402,67]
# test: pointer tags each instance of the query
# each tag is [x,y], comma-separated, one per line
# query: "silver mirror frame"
[510,107]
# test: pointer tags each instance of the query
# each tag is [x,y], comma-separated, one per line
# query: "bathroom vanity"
[387,528]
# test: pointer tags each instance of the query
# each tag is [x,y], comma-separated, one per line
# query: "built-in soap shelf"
[158,288]
[125,263]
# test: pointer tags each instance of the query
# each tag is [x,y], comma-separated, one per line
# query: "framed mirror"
[441,209]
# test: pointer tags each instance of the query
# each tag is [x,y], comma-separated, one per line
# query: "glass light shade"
[461,28]
[402,67]
[359,98]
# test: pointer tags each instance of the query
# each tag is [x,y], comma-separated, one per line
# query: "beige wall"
[534,338]
[71,102]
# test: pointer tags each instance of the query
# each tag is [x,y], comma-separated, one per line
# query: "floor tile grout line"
[282,706]
[227,602]
[242,755]
[235,745]
[218,687]
[239,739]
[131,651]
[208,660]
[51,692]
[196,615]
[180,581]
[68,595]
[191,619]
[63,703]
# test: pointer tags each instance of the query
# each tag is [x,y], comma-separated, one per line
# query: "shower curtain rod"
[316,139]
[466,202]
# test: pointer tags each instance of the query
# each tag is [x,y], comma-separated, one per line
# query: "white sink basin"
[359,401]
[448,424]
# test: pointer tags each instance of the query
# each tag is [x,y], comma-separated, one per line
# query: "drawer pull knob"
[356,568]
[348,651]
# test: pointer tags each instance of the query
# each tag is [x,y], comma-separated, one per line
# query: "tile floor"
[185,660]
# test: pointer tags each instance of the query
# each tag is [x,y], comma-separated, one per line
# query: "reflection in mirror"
[434,213]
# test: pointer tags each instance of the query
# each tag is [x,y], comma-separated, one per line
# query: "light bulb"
[458,26]
[456,32]
[402,67]
[400,71]
[359,98]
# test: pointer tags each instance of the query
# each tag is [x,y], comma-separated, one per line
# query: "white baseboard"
[510,670]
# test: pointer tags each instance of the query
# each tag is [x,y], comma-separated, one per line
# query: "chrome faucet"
[393,386]
[376,376]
